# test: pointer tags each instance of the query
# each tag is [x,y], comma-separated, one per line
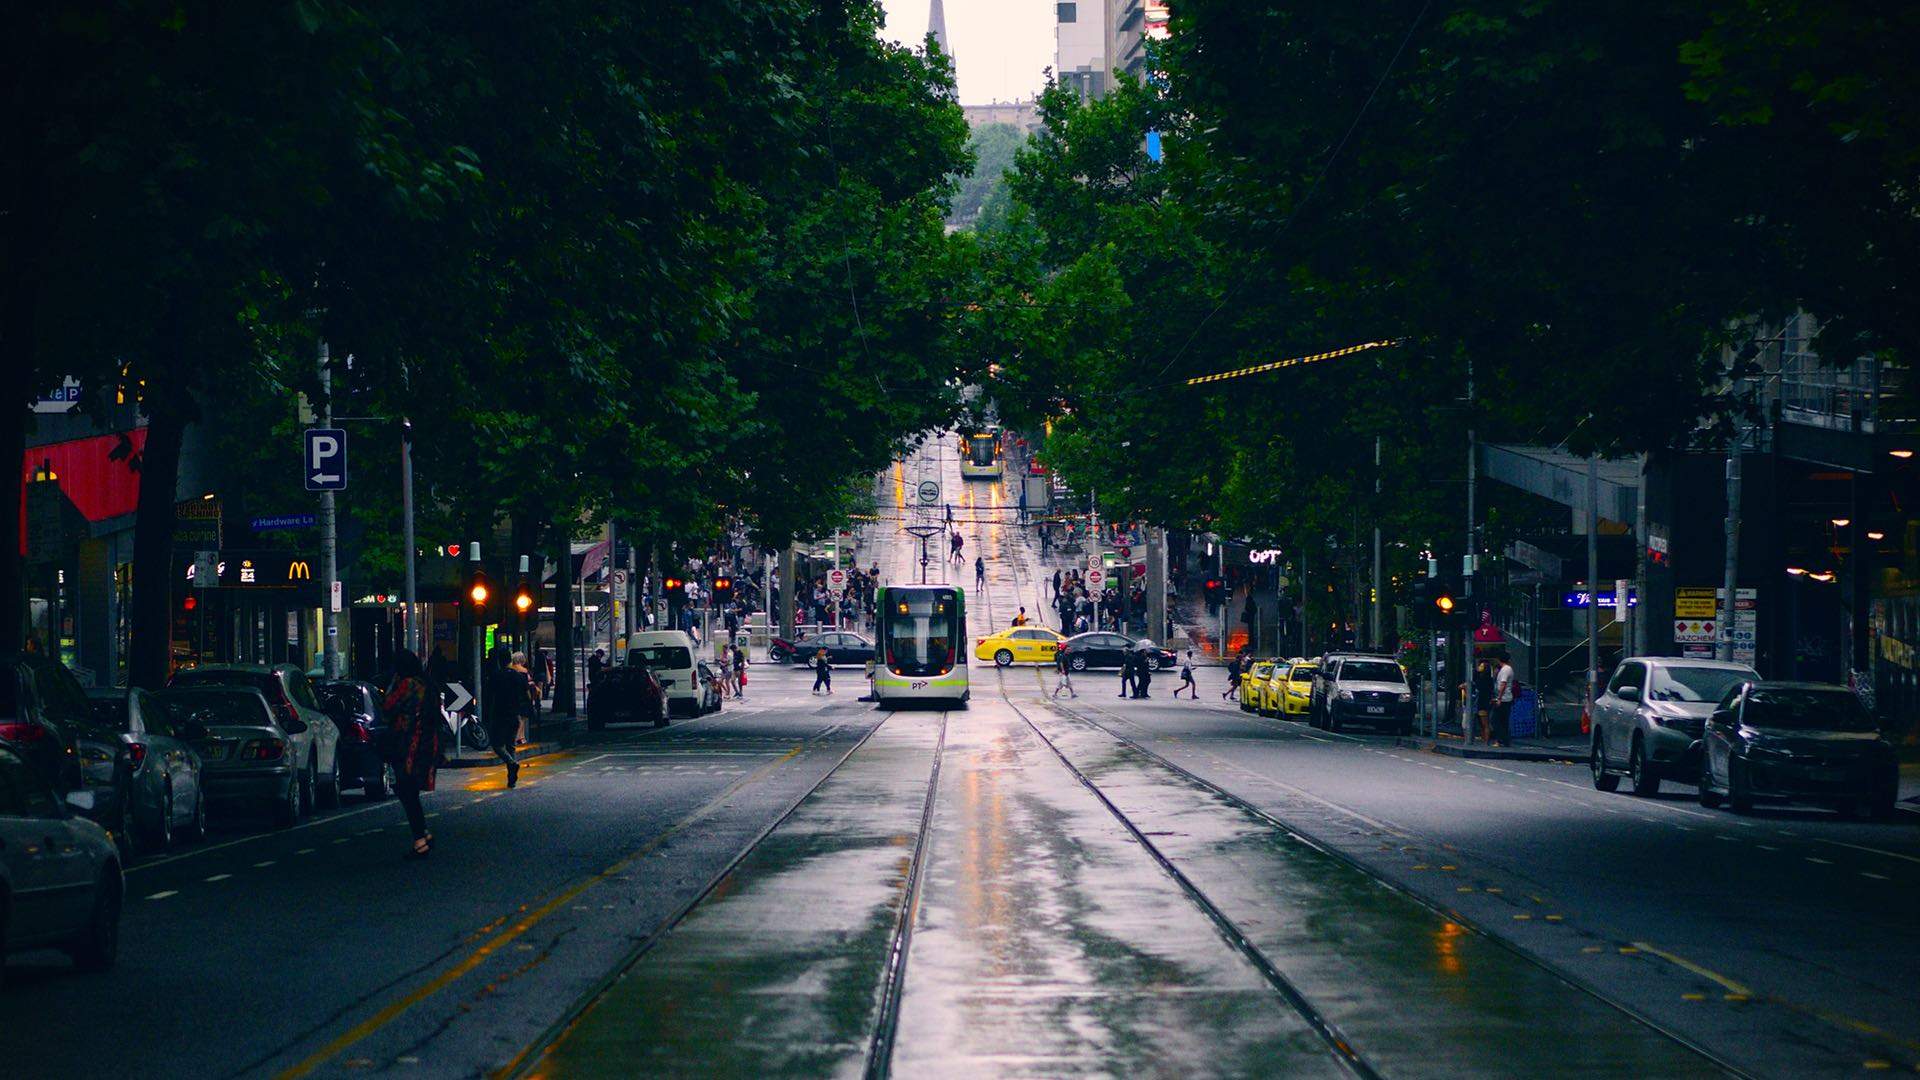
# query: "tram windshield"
[981,449]
[921,632]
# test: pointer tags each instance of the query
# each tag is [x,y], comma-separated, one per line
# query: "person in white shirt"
[1504,684]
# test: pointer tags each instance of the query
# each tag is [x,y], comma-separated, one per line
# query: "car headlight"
[1408,696]
[1346,695]
[1761,752]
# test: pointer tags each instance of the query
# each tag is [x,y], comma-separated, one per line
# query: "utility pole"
[1637,623]
[414,637]
[1723,629]
[1470,563]
[1378,586]
[1222,572]
[1593,579]
[329,543]
[616,603]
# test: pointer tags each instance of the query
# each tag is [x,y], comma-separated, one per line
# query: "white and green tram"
[920,654]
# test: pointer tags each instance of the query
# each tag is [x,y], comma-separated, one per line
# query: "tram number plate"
[918,684]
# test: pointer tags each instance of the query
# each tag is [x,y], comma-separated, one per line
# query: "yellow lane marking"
[1706,973]
[474,959]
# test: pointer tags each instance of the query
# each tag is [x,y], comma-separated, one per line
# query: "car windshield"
[1806,709]
[214,708]
[661,656]
[1371,671]
[1303,673]
[1695,683]
[262,681]
[340,700]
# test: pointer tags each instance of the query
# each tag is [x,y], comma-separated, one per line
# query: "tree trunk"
[24,224]
[150,655]
[563,696]
[13,454]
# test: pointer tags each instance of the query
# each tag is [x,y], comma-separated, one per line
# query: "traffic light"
[676,589]
[523,599]
[479,590]
[1433,602]
[722,589]
[1215,591]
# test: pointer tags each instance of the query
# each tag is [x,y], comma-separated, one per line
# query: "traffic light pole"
[414,641]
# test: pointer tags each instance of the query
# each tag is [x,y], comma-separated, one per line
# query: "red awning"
[99,485]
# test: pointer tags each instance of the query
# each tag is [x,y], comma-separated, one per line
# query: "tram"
[920,654]
[980,455]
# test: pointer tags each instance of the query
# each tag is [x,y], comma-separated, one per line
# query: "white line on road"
[218,877]
[263,864]
[163,894]
[1863,847]
[256,836]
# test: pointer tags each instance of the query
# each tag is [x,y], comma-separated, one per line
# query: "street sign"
[326,450]
[334,601]
[206,569]
[929,492]
[837,579]
[620,579]
[1095,560]
[283,521]
[1096,577]
[461,696]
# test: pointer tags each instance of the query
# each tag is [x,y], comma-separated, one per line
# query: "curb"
[530,750]
[1486,753]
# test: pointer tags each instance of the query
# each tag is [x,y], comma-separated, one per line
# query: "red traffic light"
[190,603]
[723,583]
[673,583]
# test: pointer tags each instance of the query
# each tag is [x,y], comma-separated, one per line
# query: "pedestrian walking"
[822,672]
[1482,705]
[871,668]
[596,664]
[1233,677]
[1064,665]
[1142,673]
[1186,678]
[740,669]
[412,744]
[1505,684]
[979,573]
[1128,661]
[508,695]
[1056,584]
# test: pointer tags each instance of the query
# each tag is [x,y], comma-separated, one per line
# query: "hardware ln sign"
[326,459]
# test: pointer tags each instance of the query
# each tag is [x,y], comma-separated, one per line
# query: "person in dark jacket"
[822,672]
[412,744]
[1127,661]
[509,700]
[1142,673]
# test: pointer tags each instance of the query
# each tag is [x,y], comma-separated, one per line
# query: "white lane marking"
[1874,876]
[163,894]
[263,865]
[306,851]
[218,877]
[1495,768]
[1863,847]
[1821,861]
[256,836]
[1766,847]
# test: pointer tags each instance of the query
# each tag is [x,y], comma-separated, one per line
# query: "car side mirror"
[1628,693]
[81,800]
[294,726]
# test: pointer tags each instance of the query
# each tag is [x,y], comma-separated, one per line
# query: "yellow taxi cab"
[1019,645]
[1253,685]
[1271,693]
[1298,693]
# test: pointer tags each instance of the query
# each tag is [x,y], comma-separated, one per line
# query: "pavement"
[1031,886]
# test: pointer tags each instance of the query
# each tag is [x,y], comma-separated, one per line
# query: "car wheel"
[1597,763]
[1645,782]
[286,809]
[99,944]
[1333,721]
[1739,795]
[1077,663]
[329,793]
[777,654]
[1002,658]
[124,828]
[160,837]
[1882,805]
[197,827]
[305,786]
[377,786]
[1709,798]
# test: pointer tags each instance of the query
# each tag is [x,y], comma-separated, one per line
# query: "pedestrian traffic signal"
[722,589]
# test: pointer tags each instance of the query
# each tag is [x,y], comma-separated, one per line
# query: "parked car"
[669,655]
[1648,721]
[1324,671]
[41,707]
[1105,649]
[1018,645]
[1253,685]
[626,693]
[254,753]
[59,872]
[1797,742]
[1298,691]
[355,709]
[1368,690]
[290,693]
[146,780]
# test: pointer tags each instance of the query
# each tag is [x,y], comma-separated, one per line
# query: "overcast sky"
[1001,48]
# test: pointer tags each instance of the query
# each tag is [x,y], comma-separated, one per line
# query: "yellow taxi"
[1253,685]
[1270,694]
[1297,694]
[1019,645]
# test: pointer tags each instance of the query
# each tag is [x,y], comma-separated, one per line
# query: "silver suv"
[1648,722]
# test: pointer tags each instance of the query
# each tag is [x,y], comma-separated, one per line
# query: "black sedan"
[1105,649]
[624,694]
[843,648]
[355,709]
[1797,742]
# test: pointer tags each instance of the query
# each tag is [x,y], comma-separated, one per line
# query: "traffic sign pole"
[329,546]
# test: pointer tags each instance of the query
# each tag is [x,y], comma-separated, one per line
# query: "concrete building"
[1080,46]
[1024,115]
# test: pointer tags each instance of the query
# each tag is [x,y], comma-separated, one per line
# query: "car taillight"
[361,732]
[137,753]
[23,732]
[263,750]
[288,711]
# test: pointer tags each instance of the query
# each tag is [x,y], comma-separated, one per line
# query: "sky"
[1001,48]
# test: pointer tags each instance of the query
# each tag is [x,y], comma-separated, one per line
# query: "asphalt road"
[318,950]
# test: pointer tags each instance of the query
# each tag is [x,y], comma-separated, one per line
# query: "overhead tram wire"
[1312,188]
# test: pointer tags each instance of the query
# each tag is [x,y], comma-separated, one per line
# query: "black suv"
[1365,690]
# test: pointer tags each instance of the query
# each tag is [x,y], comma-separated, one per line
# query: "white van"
[670,654]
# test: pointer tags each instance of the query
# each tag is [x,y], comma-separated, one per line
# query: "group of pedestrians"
[1073,601]
[1495,685]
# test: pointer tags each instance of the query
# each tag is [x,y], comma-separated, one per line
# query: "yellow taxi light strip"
[1295,361]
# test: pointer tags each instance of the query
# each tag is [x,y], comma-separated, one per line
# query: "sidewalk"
[1566,748]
